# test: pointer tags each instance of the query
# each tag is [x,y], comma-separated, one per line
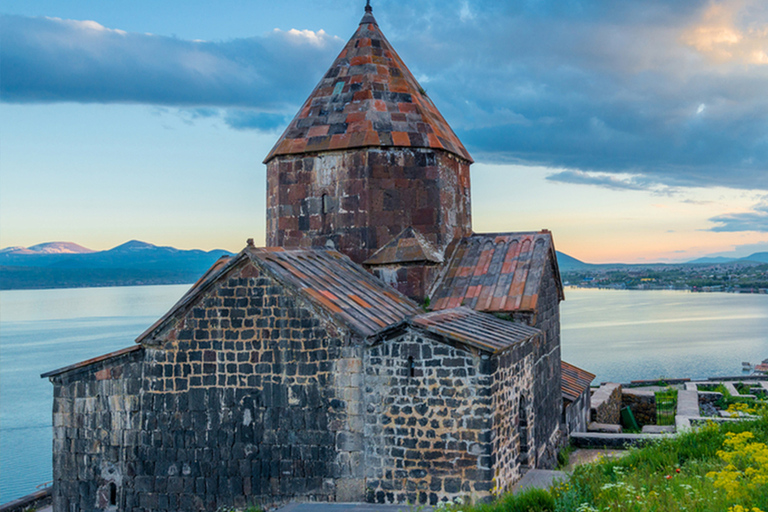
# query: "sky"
[634,131]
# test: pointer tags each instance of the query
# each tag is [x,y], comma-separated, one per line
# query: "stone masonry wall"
[250,398]
[358,200]
[512,387]
[96,422]
[641,403]
[411,279]
[577,413]
[428,421]
[606,404]
[546,371]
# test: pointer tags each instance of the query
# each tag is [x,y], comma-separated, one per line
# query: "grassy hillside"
[718,468]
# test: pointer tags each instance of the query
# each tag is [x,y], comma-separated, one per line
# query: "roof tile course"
[495,272]
[479,330]
[332,280]
[574,381]
[368,98]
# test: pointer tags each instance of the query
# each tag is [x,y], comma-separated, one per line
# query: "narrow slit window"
[411,367]
[326,204]
[112,494]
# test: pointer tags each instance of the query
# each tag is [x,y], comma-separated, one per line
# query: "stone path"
[539,479]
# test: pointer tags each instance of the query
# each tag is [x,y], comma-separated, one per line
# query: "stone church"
[378,350]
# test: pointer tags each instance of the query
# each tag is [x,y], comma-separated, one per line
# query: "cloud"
[250,120]
[604,180]
[756,220]
[731,31]
[54,60]
[671,93]
[597,86]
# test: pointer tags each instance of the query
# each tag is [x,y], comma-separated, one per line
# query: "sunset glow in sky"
[635,131]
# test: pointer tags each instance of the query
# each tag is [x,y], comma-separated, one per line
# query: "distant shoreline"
[749,291]
[4,288]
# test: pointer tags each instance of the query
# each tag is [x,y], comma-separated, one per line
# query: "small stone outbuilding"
[576,397]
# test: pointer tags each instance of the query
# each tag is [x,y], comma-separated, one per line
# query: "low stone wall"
[606,404]
[642,404]
[615,441]
[33,501]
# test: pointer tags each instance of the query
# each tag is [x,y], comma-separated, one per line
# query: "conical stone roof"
[368,98]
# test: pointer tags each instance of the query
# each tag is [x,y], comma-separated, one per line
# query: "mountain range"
[68,265]
[567,263]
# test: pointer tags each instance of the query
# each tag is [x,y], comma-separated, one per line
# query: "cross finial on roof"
[368,7]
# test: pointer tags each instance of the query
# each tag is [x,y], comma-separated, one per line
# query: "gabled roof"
[368,98]
[95,360]
[327,278]
[479,330]
[496,272]
[343,288]
[407,247]
[574,381]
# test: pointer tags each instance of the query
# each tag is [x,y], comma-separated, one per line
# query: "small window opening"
[112,494]
[326,204]
[411,367]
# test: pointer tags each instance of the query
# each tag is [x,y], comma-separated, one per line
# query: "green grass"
[669,474]
[666,406]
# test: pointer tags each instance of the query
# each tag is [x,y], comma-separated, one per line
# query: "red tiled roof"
[327,278]
[368,98]
[479,330]
[409,246]
[496,272]
[574,381]
[334,282]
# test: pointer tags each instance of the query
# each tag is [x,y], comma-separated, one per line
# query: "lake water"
[618,335]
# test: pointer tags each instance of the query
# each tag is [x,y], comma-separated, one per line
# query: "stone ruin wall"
[606,404]
[371,195]
[642,404]
[429,436]
[250,398]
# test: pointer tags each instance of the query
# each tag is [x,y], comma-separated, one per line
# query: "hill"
[758,257]
[67,265]
[566,262]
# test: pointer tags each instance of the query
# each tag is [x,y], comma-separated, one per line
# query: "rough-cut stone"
[356,201]
[285,403]
[606,404]
[642,404]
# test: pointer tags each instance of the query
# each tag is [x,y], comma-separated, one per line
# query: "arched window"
[112,494]
[326,204]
